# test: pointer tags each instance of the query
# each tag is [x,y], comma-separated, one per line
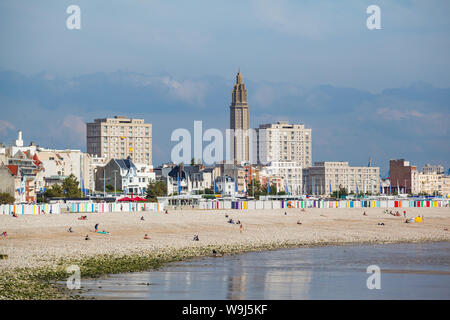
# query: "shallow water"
[408,271]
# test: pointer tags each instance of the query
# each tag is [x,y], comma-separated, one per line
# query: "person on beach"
[96,227]
[4,234]
[298,222]
[241,228]
[195,237]
[142,218]
[146,237]
[214,252]
[285,213]
[404,214]
[70,230]
[87,237]
[167,212]
[364,214]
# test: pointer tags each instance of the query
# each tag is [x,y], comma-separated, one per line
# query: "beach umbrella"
[127,199]
[138,199]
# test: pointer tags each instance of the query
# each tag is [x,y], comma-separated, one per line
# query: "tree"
[338,194]
[55,191]
[156,189]
[6,198]
[70,187]
[208,191]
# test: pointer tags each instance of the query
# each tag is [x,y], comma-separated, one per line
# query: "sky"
[380,93]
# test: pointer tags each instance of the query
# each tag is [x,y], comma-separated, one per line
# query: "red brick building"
[403,175]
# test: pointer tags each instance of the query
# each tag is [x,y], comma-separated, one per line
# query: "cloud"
[347,124]
[5,126]
[398,115]
[192,92]
[75,125]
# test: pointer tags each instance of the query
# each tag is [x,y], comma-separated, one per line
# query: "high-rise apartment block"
[120,138]
[284,142]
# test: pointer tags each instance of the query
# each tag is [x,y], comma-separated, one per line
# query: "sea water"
[407,271]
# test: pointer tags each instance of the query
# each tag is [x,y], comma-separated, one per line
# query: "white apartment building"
[431,183]
[59,164]
[284,142]
[288,176]
[120,138]
[429,168]
[323,176]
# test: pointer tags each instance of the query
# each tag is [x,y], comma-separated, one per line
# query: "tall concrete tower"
[240,121]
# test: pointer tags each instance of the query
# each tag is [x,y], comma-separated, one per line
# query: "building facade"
[240,122]
[120,138]
[124,176]
[286,175]
[404,176]
[59,164]
[429,168]
[326,177]
[282,141]
[430,183]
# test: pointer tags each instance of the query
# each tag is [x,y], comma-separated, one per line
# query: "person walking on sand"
[241,228]
[96,227]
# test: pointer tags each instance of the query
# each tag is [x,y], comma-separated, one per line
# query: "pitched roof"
[13,169]
[126,164]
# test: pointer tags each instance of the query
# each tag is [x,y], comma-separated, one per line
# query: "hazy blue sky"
[313,62]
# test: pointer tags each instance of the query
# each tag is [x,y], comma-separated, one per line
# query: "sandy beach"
[35,241]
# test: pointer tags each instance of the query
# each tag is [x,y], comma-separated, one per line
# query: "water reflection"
[237,287]
[413,271]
